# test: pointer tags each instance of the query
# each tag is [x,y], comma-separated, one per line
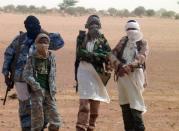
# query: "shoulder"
[81,35]
[54,35]
[122,41]
[102,38]
[20,36]
[120,44]
[51,55]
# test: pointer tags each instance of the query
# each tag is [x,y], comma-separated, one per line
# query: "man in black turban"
[15,58]
[32,25]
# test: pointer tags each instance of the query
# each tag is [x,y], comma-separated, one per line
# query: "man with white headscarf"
[128,60]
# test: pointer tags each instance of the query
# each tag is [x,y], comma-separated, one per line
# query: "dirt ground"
[162,95]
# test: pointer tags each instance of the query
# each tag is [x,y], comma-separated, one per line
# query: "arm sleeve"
[56,41]
[82,53]
[113,56]
[142,54]
[29,76]
[9,55]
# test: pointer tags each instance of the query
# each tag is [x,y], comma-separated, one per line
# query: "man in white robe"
[128,59]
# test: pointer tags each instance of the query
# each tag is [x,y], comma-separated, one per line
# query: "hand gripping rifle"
[13,66]
[9,87]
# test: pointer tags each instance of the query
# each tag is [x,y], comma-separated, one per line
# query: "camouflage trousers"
[24,105]
[87,115]
[44,105]
[25,114]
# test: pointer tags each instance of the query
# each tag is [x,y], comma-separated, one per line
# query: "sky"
[102,4]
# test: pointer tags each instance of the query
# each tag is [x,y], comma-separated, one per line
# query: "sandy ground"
[162,95]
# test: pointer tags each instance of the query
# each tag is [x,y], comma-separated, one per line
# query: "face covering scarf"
[94,32]
[42,50]
[134,35]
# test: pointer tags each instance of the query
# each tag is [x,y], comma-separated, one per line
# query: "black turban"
[32,25]
[93,19]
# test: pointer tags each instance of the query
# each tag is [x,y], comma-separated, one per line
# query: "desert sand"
[161,95]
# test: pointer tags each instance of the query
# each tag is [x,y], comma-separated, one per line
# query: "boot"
[127,118]
[53,128]
[138,121]
[90,129]
[80,128]
[83,115]
[92,122]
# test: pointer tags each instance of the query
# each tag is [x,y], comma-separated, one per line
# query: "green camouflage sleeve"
[82,53]
[29,75]
[103,49]
[101,52]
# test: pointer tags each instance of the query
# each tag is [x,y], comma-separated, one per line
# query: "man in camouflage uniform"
[128,59]
[91,76]
[39,73]
[22,46]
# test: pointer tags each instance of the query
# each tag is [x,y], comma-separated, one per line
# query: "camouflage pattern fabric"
[43,101]
[29,75]
[99,54]
[24,114]
[142,50]
[44,105]
[56,42]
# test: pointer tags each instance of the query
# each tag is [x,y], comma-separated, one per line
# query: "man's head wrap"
[40,36]
[93,19]
[132,25]
[32,25]
[132,29]
[42,47]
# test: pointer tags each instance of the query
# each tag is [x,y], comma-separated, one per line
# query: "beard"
[134,35]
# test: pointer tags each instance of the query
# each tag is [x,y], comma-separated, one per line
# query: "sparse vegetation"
[69,7]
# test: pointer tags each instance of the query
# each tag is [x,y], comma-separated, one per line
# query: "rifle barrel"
[4,102]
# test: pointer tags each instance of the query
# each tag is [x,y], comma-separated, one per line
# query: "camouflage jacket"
[142,48]
[139,60]
[25,44]
[98,57]
[30,75]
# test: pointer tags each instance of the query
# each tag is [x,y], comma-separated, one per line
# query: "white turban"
[133,31]
[132,24]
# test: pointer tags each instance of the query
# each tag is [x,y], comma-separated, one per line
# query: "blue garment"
[33,27]
[56,42]
[26,48]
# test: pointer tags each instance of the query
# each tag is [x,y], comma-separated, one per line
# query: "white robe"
[131,86]
[90,85]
